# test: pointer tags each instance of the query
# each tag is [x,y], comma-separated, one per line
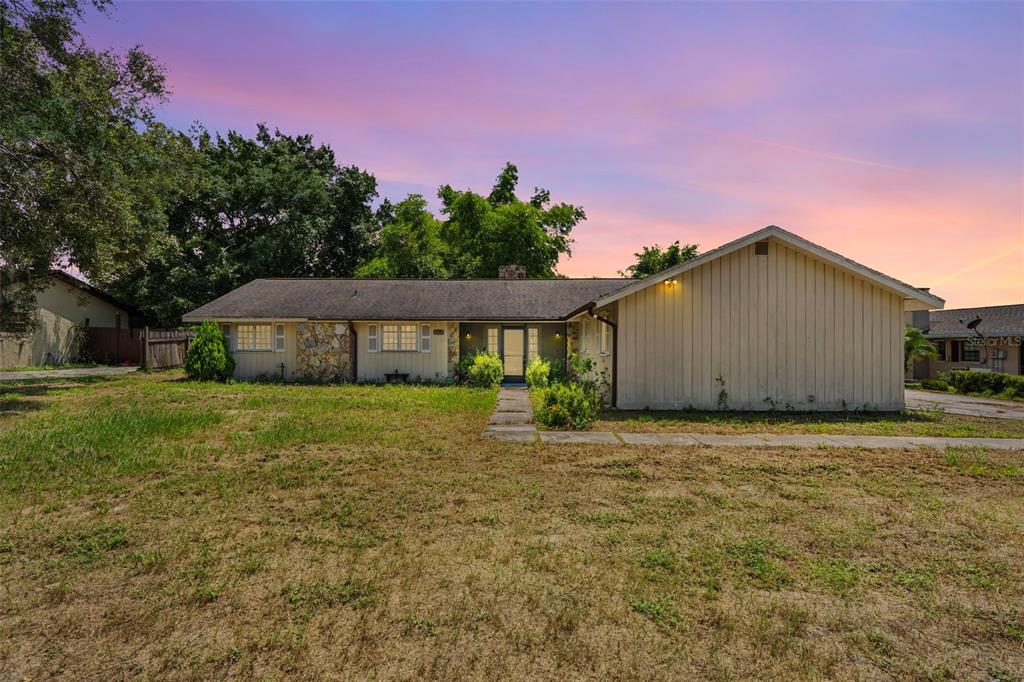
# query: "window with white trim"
[398,337]
[225,330]
[371,339]
[279,338]
[424,338]
[492,340]
[585,336]
[532,343]
[253,337]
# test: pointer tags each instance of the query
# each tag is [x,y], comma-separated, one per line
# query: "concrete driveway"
[962,404]
[64,373]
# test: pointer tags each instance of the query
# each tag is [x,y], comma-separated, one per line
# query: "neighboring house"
[769,321]
[996,342]
[65,308]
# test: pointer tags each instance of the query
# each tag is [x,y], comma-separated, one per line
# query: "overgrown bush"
[208,357]
[987,383]
[538,373]
[935,385]
[484,370]
[567,405]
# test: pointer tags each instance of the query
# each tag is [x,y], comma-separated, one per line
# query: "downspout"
[354,351]
[615,352]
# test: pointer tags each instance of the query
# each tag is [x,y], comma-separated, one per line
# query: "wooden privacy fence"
[165,347]
[150,348]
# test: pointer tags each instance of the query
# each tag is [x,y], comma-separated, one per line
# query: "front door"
[513,353]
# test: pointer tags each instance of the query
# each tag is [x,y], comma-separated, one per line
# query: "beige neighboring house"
[994,342]
[64,307]
[768,321]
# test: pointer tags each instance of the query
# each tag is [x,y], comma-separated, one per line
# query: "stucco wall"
[60,307]
[782,331]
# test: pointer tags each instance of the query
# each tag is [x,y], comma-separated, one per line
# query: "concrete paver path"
[964,404]
[512,422]
[65,373]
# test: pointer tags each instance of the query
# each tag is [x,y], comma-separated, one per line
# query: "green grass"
[908,423]
[155,528]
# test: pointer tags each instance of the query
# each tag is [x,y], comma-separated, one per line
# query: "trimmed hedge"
[987,383]
[567,405]
[935,385]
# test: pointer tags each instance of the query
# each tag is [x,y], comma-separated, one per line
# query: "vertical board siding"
[267,364]
[429,367]
[784,331]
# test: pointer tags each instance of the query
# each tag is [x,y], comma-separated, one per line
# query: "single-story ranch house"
[768,321]
[990,338]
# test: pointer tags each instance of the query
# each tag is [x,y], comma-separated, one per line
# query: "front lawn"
[158,529]
[908,423]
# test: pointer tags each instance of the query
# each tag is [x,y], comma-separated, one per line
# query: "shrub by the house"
[484,370]
[935,385]
[987,383]
[538,373]
[208,357]
[567,405]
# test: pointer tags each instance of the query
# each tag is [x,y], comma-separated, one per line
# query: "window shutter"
[225,329]
[424,338]
[278,338]
[371,338]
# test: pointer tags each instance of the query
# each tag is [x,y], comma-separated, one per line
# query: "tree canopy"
[483,233]
[170,220]
[84,166]
[272,206]
[653,259]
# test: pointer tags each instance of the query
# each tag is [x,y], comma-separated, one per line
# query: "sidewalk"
[512,422]
[64,373]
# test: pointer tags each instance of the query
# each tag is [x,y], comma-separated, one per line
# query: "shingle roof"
[407,299]
[996,320]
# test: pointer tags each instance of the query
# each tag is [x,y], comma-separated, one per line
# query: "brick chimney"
[511,272]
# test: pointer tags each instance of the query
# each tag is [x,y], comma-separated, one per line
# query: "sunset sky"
[892,133]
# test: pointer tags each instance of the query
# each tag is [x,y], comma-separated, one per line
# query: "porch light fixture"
[670,282]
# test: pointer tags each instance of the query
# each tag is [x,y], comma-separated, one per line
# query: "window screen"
[253,336]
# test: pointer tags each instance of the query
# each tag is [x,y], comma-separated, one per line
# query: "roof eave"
[914,298]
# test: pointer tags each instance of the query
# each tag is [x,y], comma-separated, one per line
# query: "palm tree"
[916,347]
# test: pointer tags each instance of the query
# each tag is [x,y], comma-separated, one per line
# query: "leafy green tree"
[916,347]
[483,233]
[208,357]
[84,167]
[272,206]
[653,259]
[410,244]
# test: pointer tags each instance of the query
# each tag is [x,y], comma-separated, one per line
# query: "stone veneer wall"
[453,348]
[323,351]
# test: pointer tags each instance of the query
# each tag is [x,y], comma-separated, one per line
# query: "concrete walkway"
[65,373]
[964,404]
[512,422]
